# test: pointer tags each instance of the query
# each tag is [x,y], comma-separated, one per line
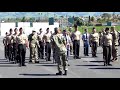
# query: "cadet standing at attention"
[85,38]
[33,45]
[59,43]
[22,42]
[115,37]
[71,45]
[102,44]
[94,40]
[9,44]
[68,43]
[15,49]
[41,43]
[76,35]
[100,37]
[46,38]
[107,41]
[5,46]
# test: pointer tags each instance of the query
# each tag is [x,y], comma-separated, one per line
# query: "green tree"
[78,21]
[106,16]
[23,19]
[92,19]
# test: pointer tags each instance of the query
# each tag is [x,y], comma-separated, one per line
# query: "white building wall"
[4,27]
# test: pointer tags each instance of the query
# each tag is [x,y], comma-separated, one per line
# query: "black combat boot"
[36,61]
[59,73]
[65,72]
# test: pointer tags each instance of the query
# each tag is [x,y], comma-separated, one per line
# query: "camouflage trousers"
[62,61]
[33,53]
[114,51]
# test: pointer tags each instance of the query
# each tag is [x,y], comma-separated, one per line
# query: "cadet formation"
[60,44]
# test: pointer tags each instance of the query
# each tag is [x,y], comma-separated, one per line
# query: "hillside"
[49,14]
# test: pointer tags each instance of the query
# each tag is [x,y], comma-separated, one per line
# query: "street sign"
[51,21]
[31,24]
[16,24]
[71,20]
[109,23]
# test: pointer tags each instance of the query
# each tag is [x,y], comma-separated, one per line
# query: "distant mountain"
[49,14]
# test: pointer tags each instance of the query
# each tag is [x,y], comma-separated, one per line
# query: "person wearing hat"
[22,42]
[107,46]
[115,38]
[33,44]
[41,43]
[85,38]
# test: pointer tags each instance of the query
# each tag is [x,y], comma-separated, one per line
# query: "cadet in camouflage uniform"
[33,45]
[102,44]
[115,37]
[71,45]
[59,43]
[53,48]
[107,41]
[94,40]
[5,46]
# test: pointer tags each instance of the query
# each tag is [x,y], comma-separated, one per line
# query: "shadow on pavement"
[86,57]
[96,61]
[3,59]
[8,65]
[5,63]
[38,74]
[97,53]
[89,65]
[46,65]
[104,68]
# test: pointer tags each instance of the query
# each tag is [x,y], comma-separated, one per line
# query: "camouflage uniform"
[71,44]
[115,45]
[33,44]
[60,51]
[53,49]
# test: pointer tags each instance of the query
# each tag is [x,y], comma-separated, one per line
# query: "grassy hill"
[98,28]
